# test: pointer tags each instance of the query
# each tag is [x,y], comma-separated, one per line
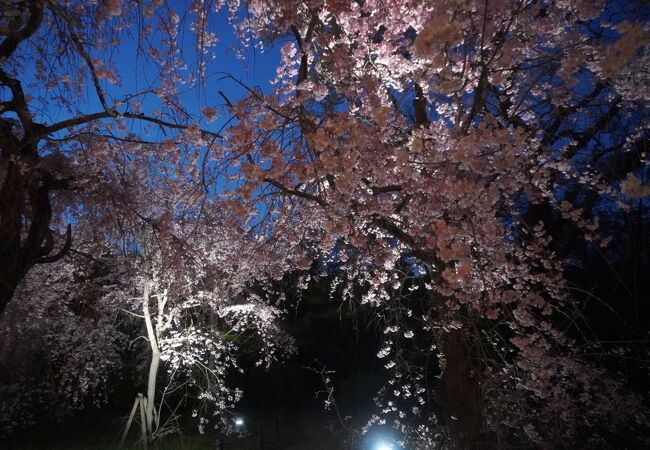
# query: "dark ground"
[309,428]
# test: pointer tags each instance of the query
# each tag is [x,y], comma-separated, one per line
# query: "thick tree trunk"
[11,211]
[25,215]
[23,189]
[460,391]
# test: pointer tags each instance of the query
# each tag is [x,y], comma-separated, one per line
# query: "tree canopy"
[452,165]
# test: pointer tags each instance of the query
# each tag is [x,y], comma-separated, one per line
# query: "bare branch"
[86,57]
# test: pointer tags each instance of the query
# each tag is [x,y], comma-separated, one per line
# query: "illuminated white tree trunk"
[149,402]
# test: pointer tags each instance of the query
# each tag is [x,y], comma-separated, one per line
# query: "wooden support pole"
[128,422]
[143,422]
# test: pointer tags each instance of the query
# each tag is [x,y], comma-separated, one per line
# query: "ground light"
[383,445]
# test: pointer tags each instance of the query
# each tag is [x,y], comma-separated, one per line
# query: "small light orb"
[239,422]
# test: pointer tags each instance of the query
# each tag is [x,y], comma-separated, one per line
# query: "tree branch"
[18,103]
[86,57]
[80,120]
[9,45]
[391,227]
[61,253]
[286,190]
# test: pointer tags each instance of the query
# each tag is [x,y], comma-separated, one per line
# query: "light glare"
[384,446]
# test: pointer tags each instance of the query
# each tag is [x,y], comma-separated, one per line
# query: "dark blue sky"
[256,69]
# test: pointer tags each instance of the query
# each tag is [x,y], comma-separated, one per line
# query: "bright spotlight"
[384,446]
[239,422]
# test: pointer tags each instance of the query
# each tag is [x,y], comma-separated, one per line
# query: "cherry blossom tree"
[192,290]
[444,153]
[133,175]
[52,53]
[457,135]
[198,309]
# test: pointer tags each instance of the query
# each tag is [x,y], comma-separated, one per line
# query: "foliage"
[449,160]
[61,343]
[465,145]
